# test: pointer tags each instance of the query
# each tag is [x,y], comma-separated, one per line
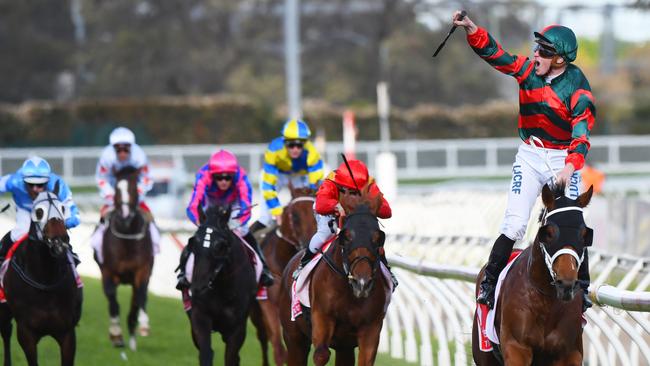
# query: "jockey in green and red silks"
[556,115]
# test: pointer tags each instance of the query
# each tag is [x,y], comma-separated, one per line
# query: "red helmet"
[359,170]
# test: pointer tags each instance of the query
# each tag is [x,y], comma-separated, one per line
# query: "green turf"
[170,343]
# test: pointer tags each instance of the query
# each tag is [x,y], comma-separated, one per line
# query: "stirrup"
[183,283]
[266,278]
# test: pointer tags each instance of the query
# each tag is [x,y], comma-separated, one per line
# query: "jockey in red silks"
[328,209]
[223,181]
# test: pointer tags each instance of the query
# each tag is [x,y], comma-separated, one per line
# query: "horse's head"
[563,238]
[361,240]
[211,245]
[48,223]
[126,192]
[298,222]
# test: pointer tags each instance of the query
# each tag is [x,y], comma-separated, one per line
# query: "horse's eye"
[39,214]
[63,210]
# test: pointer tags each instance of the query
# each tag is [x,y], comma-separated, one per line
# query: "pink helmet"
[223,161]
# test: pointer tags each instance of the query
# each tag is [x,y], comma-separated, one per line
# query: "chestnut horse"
[348,293]
[222,288]
[128,257]
[538,317]
[40,285]
[298,226]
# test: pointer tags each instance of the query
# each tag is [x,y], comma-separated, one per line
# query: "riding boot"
[584,279]
[183,283]
[5,245]
[257,226]
[498,260]
[266,279]
[307,256]
[382,258]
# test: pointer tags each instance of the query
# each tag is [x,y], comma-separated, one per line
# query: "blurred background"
[191,76]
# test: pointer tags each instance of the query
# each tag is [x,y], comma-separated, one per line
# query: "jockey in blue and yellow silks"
[289,158]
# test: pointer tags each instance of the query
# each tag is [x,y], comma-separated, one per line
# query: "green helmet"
[560,38]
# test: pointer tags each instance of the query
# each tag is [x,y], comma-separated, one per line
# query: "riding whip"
[345,160]
[5,208]
[453,28]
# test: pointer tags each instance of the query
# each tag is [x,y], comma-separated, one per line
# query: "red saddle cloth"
[481,316]
[5,265]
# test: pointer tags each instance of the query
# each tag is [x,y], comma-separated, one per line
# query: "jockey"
[120,153]
[291,158]
[328,209]
[34,177]
[556,115]
[223,181]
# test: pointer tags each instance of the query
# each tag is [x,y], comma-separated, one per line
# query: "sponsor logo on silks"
[574,190]
[517,177]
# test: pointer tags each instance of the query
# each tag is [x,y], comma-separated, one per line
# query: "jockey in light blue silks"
[34,177]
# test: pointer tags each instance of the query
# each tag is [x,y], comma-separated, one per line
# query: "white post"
[386,162]
[292,56]
[349,135]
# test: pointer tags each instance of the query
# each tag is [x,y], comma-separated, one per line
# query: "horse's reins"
[278,231]
[119,235]
[19,270]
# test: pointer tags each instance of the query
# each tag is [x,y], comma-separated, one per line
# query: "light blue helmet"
[36,170]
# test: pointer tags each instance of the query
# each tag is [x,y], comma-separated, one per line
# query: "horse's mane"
[126,171]
[351,202]
[302,192]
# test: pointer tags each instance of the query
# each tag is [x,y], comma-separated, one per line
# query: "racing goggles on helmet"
[299,144]
[545,49]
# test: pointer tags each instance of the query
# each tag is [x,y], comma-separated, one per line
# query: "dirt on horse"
[349,295]
[127,257]
[538,317]
[40,285]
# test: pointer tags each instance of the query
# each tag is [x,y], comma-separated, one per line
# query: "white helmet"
[122,135]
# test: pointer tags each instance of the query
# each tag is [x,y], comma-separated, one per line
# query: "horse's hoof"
[143,331]
[117,341]
[132,344]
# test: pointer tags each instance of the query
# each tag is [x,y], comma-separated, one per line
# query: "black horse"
[223,286]
[40,285]
[128,257]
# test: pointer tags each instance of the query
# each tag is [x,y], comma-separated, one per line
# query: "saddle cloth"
[5,266]
[485,317]
[300,286]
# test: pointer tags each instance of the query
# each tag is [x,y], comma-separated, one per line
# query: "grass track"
[170,343]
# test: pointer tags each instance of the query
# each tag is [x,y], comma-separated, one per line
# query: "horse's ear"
[292,189]
[57,186]
[548,198]
[201,214]
[584,199]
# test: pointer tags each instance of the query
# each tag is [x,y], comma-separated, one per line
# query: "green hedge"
[233,119]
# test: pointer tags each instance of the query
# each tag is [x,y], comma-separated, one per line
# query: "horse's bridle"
[548,259]
[278,231]
[348,267]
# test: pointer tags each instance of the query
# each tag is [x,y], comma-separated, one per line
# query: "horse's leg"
[201,335]
[257,317]
[5,330]
[321,336]
[136,312]
[515,354]
[28,342]
[234,342]
[274,327]
[68,345]
[143,318]
[368,340]
[114,329]
[344,357]
[298,346]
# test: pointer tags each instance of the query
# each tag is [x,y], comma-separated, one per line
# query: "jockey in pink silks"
[223,181]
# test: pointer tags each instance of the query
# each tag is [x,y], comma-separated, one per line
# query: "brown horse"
[348,293]
[128,257]
[538,318]
[279,246]
[40,285]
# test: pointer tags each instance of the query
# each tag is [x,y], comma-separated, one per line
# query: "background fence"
[416,159]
